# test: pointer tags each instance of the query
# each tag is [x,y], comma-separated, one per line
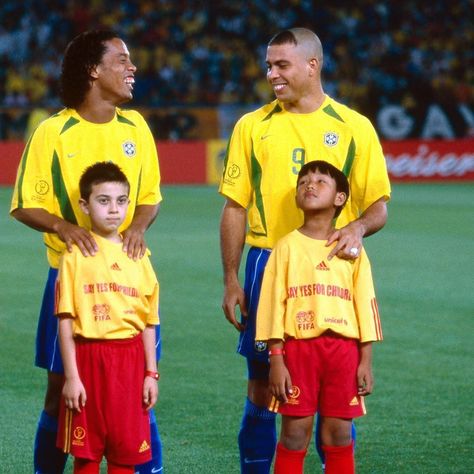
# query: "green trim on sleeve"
[226,156]
[70,123]
[330,111]
[256,184]
[346,169]
[275,110]
[122,119]
[60,191]
[139,183]
[24,158]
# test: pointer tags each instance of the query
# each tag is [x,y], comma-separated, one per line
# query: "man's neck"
[307,104]
[96,112]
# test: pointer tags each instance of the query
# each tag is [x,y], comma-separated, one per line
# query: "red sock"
[339,459]
[288,461]
[86,466]
[113,468]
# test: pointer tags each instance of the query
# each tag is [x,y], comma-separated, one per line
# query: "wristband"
[154,375]
[276,351]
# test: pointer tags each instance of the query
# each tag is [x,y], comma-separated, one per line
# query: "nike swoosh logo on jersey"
[72,155]
[265,136]
[159,469]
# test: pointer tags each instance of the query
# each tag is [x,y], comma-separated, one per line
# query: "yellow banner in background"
[215,154]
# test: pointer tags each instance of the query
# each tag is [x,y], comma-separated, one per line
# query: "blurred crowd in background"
[209,53]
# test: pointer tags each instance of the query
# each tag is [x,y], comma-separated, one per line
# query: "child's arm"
[365,378]
[279,377]
[73,391]
[150,384]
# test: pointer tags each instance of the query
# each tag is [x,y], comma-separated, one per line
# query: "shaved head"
[305,40]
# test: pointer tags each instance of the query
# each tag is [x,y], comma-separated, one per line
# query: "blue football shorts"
[255,351]
[48,355]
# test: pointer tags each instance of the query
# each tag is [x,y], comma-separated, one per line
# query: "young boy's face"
[107,207]
[317,191]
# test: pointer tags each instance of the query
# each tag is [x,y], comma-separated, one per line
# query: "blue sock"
[48,459]
[317,438]
[156,463]
[257,439]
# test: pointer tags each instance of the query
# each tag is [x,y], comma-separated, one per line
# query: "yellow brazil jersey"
[64,145]
[303,294]
[268,148]
[109,295]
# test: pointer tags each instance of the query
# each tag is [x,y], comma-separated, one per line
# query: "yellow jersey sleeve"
[34,187]
[236,181]
[368,178]
[149,187]
[365,302]
[272,301]
[64,300]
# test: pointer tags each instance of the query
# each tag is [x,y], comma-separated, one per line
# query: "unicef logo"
[331,138]
[129,149]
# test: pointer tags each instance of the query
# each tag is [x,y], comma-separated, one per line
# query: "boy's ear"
[84,205]
[340,199]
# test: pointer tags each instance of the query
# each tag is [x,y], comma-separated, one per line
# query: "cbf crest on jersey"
[129,148]
[331,138]
[260,346]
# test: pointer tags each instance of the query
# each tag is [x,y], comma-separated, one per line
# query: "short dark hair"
[342,184]
[98,173]
[283,37]
[82,54]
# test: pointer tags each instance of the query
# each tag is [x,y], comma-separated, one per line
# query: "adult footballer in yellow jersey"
[319,318]
[267,149]
[97,76]
[108,306]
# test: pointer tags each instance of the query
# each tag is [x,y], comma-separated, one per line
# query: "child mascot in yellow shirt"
[108,306]
[319,318]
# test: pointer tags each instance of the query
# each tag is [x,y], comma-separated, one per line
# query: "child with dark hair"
[319,318]
[107,305]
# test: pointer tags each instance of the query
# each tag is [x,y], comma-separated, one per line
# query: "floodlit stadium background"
[407,65]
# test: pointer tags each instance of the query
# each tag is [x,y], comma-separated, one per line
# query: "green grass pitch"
[420,417]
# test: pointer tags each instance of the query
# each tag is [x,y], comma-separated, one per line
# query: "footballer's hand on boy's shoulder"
[134,243]
[72,234]
[348,242]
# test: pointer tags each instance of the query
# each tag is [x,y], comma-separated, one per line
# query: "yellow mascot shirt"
[303,294]
[109,295]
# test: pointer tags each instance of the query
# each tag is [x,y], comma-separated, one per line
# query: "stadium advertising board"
[436,160]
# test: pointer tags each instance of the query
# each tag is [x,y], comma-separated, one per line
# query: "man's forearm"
[145,215]
[232,235]
[38,219]
[373,218]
